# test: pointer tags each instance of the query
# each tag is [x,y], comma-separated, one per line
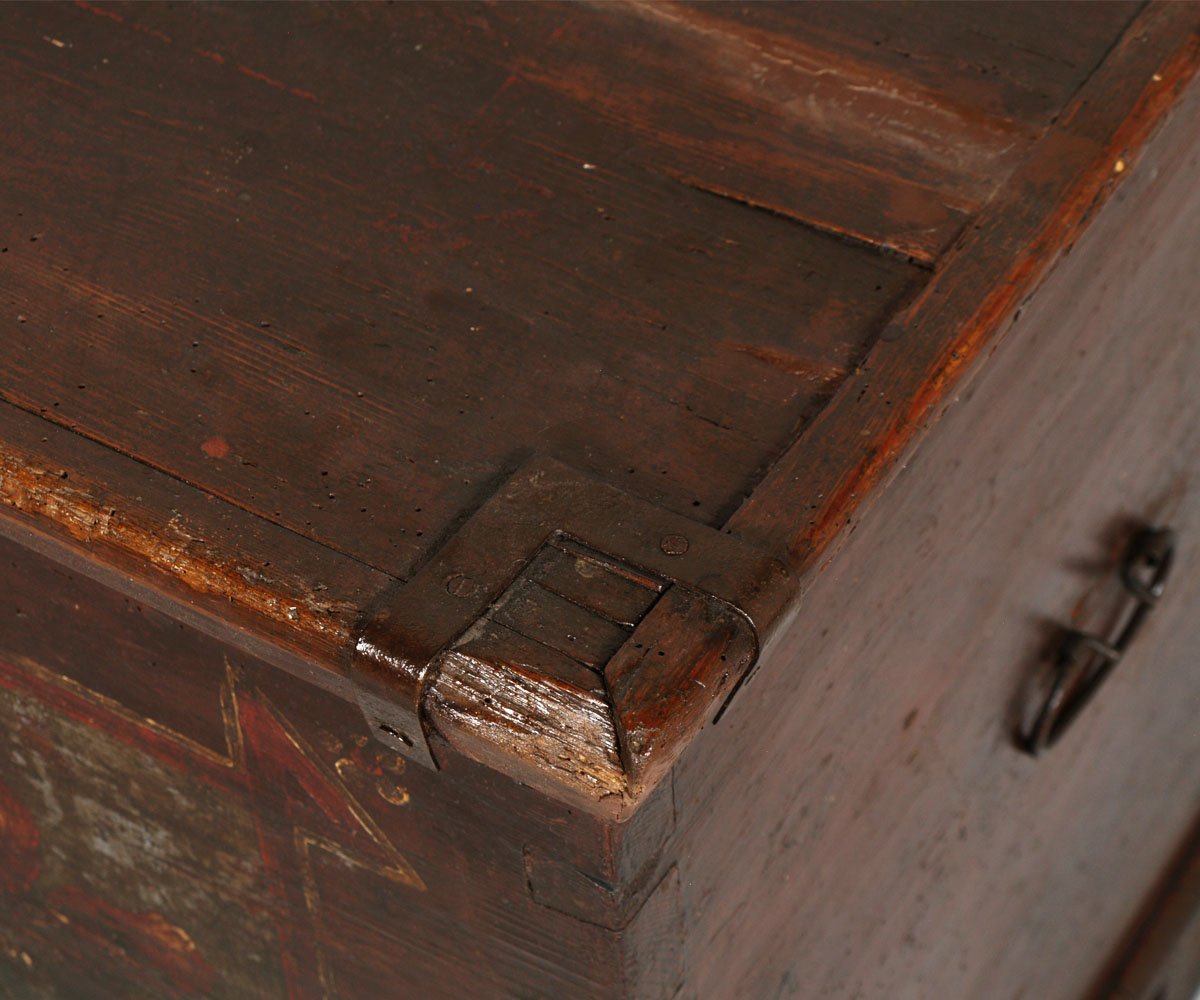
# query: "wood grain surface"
[865,797]
[325,322]
[290,295]
[354,315]
[349,286]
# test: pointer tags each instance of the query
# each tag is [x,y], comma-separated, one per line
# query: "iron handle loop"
[1085,661]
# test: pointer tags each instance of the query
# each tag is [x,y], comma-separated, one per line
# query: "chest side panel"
[177,820]
[866,812]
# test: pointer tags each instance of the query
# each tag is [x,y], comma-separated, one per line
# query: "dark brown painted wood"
[913,120]
[392,294]
[558,350]
[864,798]
[1162,958]
[296,602]
[998,261]
[180,820]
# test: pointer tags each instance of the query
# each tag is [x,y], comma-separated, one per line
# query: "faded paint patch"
[147,875]
[216,447]
[18,845]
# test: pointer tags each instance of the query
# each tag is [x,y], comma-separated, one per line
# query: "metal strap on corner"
[396,653]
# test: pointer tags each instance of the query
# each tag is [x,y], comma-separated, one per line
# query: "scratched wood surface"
[871,767]
[343,267]
[177,820]
[288,291]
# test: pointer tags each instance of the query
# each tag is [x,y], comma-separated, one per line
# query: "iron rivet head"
[673,545]
[461,586]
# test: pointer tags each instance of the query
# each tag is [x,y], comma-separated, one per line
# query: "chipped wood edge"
[546,734]
[822,483]
[210,565]
[601,731]
[535,731]
[178,550]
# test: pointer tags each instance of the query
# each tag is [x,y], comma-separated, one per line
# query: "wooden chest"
[621,502]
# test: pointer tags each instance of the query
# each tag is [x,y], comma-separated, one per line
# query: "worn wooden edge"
[279,597]
[808,501]
[604,751]
[821,483]
[476,652]
[207,564]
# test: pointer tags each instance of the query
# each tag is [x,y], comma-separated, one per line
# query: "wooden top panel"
[889,123]
[346,267]
[348,273]
[293,289]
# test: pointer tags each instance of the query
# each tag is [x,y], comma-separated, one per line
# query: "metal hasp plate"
[711,585]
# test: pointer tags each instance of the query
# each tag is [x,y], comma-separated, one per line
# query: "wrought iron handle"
[1085,660]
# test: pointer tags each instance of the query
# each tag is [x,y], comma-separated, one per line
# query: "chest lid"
[532,351]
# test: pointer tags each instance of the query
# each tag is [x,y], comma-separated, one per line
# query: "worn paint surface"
[218,828]
[126,875]
[288,292]
[132,849]
[393,292]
